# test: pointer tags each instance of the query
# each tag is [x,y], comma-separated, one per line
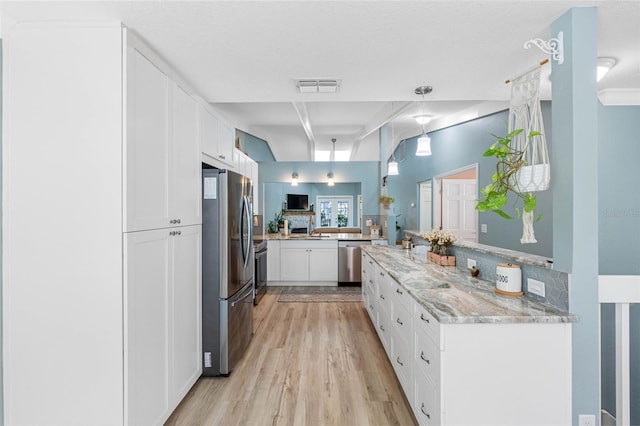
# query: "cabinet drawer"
[400,295]
[427,356]
[372,311]
[384,292]
[384,330]
[425,321]
[427,401]
[401,320]
[308,244]
[402,362]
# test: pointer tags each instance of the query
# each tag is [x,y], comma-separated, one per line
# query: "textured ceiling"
[243,56]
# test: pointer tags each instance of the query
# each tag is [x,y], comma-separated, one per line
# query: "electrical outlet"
[471,263]
[535,287]
[483,228]
[586,420]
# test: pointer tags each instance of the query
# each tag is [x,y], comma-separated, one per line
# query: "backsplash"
[556,282]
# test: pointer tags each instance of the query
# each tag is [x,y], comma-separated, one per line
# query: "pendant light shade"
[424,146]
[331,181]
[294,179]
[392,167]
[424,142]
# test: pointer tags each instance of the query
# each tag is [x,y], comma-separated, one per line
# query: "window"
[334,211]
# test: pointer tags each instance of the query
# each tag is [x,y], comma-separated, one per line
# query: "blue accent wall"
[364,173]
[619,236]
[459,146]
[1,185]
[258,149]
[276,194]
[574,169]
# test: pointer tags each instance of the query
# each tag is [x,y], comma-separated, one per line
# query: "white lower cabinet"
[273,261]
[162,352]
[470,373]
[309,261]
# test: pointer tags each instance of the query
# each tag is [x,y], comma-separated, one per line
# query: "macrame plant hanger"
[525,113]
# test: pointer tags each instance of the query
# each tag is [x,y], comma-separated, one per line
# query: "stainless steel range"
[260,278]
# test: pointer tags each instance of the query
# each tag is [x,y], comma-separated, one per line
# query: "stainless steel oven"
[260,278]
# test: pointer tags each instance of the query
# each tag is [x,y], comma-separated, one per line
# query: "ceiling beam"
[390,112]
[303,116]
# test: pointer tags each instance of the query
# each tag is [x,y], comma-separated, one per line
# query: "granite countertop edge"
[453,297]
[513,255]
[324,237]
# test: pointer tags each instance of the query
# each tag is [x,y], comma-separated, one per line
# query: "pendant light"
[424,141]
[330,180]
[392,167]
[294,179]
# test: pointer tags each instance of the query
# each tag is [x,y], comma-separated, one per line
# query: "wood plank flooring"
[308,364]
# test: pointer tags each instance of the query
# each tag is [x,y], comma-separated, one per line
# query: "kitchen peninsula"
[450,337]
[306,259]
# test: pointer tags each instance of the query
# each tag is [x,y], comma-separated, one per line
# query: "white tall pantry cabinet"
[101,222]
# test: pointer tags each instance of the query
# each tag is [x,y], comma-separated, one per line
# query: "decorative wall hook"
[554,46]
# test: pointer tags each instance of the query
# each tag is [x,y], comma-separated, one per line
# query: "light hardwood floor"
[308,364]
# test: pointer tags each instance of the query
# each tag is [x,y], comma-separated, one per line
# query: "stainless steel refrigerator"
[227,269]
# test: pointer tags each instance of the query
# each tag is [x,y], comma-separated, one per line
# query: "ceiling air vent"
[317,86]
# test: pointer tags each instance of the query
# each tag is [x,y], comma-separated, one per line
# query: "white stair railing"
[621,290]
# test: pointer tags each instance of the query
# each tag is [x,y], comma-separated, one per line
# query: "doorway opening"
[454,202]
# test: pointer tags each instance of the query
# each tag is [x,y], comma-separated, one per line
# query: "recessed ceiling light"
[317,85]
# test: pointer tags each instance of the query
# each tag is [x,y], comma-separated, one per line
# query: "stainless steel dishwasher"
[349,261]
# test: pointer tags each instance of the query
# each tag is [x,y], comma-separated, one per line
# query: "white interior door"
[425,206]
[458,208]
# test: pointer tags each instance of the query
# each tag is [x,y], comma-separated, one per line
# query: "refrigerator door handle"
[245,220]
[244,296]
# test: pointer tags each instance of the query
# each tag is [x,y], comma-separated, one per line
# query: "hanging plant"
[386,201]
[505,179]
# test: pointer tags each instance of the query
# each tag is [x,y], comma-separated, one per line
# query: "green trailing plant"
[386,200]
[504,180]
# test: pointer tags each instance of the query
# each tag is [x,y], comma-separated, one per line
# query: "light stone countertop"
[512,255]
[316,237]
[454,297]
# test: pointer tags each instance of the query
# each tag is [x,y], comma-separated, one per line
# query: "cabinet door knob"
[178,232]
[177,220]
[381,327]
[172,221]
[222,156]
[398,291]
[423,318]
[424,412]
[371,307]
[398,361]
[172,233]
[382,296]
[423,358]
[399,322]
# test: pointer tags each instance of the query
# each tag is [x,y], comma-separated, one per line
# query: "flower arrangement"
[439,240]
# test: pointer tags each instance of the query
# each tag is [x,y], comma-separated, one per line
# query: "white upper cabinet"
[162,181]
[226,132]
[147,145]
[216,138]
[186,167]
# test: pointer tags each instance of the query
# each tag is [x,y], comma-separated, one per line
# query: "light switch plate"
[483,228]
[471,263]
[535,287]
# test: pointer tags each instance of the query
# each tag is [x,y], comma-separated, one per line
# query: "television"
[297,202]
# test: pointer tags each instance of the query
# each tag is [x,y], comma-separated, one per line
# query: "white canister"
[509,279]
